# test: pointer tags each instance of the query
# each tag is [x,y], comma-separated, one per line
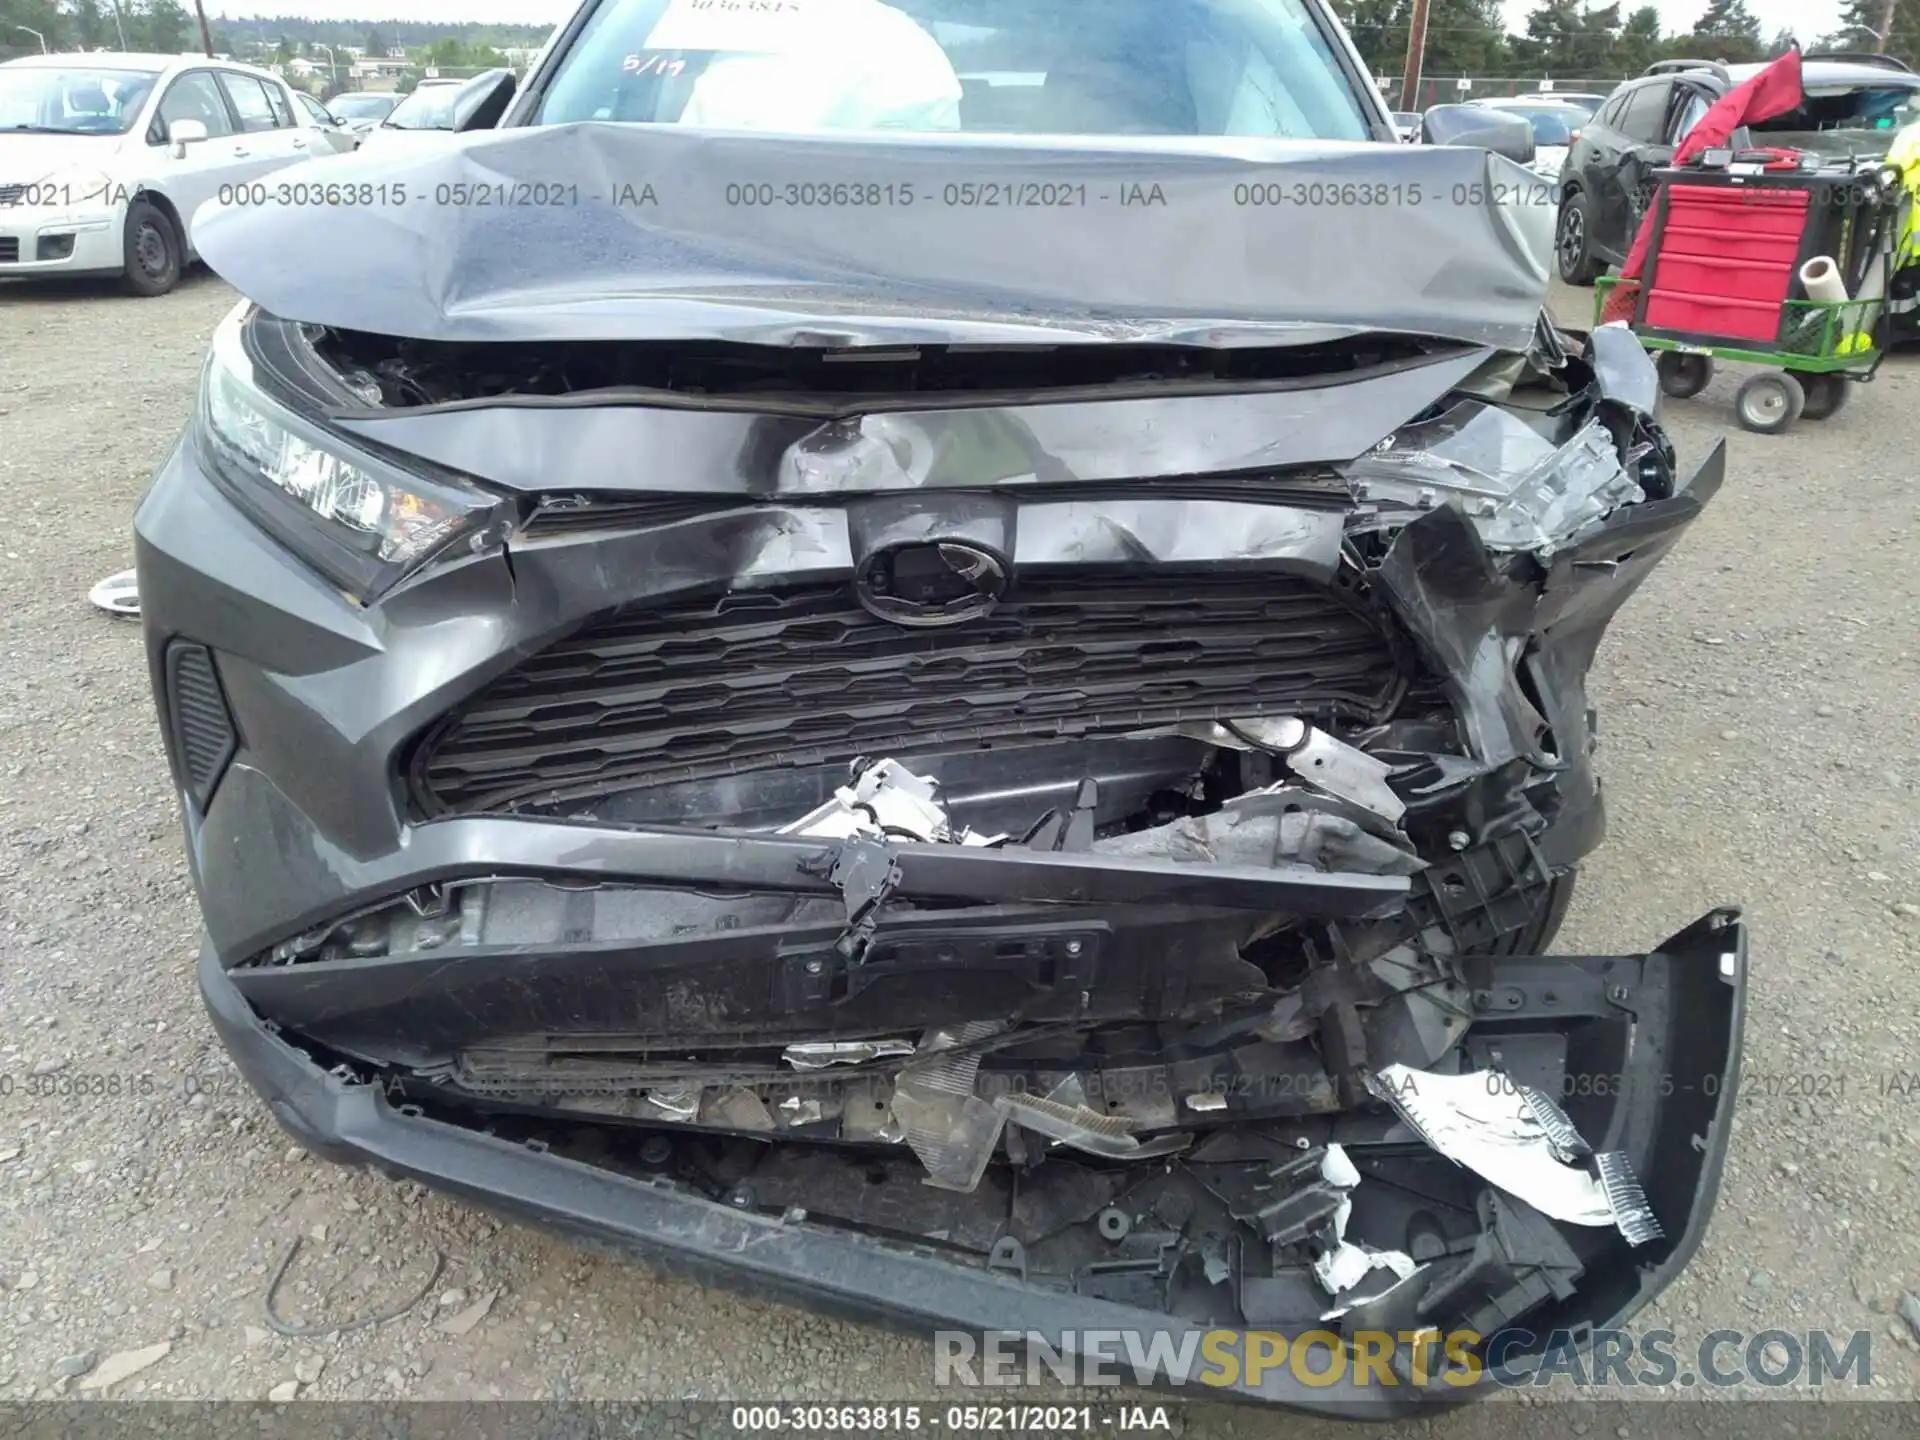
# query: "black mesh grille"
[567,519]
[733,682]
[9,249]
[202,727]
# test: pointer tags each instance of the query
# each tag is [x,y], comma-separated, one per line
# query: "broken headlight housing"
[1524,492]
[359,520]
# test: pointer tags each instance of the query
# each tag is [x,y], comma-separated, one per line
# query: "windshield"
[1585,104]
[1843,122]
[1552,124]
[428,108]
[81,101]
[362,107]
[1094,67]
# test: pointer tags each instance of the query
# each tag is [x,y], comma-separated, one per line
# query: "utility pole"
[206,36]
[119,25]
[1886,25]
[1416,52]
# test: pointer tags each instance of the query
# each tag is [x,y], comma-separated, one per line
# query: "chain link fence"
[1450,89]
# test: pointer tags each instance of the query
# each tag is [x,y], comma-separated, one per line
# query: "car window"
[428,108]
[1126,67]
[193,96]
[363,106]
[316,112]
[1840,121]
[251,102]
[1686,113]
[1645,119]
[1611,112]
[1551,124]
[80,100]
[277,97]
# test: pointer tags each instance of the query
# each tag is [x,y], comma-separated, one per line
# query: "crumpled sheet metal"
[1518,1139]
[1165,248]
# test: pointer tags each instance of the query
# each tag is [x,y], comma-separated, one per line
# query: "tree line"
[168,27]
[1579,40]
[1573,38]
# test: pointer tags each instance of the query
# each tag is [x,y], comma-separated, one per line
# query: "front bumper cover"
[1671,1111]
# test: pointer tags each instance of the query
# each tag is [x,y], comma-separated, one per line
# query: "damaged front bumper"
[1644,1051]
[1175,965]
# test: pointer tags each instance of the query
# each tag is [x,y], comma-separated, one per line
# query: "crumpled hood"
[603,232]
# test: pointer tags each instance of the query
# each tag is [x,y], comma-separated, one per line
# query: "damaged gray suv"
[932,659]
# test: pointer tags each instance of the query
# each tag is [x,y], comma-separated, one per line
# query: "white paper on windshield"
[749,27]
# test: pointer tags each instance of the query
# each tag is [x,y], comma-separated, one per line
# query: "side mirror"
[1480,127]
[182,133]
[483,100]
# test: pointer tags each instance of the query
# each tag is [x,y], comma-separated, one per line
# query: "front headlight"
[360,520]
[74,189]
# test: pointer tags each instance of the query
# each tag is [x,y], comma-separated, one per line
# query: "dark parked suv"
[970,709]
[1855,105]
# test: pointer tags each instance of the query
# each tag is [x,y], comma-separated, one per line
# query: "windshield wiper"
[46,130]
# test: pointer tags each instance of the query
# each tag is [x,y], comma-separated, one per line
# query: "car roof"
[131,60]
[1532,102]
[1814,74]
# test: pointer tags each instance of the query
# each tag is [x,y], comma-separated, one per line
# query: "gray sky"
[1809,18]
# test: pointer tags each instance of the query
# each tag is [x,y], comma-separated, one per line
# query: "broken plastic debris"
[797,1111]
[1516,1137]
[1063,1115]
[118,594]
[1320,759]
[885,800]
[677,1104]
[1343,1264]
[1337,1168]
[818,1054]
[950,1129]
[1347,1264]
[740,1110]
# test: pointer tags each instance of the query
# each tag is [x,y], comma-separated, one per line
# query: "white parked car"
[331,135]
[423,118]
[104,158]
[361,110]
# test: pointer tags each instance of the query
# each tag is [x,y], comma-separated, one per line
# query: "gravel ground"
[1762,746]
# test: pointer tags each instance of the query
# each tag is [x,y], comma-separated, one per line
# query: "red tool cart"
[1761,258]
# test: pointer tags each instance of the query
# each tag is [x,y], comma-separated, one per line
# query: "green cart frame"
[1823,347]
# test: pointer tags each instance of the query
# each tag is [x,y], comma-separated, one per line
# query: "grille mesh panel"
[725,683]
[202,727]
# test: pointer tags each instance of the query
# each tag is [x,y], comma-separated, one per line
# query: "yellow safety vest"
[1904,155]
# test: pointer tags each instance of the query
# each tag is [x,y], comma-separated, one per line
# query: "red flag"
[1774,91]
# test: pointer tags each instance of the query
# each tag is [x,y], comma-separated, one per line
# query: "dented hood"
[604,232]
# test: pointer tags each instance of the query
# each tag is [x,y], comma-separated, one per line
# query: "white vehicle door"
[268,138]
[191,178]
[325,136]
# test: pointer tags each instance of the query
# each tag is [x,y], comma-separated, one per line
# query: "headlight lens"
[80,189]
[364,523]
